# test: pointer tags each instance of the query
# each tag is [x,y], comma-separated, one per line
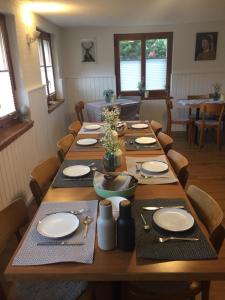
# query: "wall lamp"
[32,37]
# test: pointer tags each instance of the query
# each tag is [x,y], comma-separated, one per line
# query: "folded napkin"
[161,178]
[113,182]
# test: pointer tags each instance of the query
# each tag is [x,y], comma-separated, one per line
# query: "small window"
[143,58]
[46,64]
[7,82]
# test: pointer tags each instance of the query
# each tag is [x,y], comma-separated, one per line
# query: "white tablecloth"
[94,108]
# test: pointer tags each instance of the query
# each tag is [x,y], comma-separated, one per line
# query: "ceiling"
[68,13]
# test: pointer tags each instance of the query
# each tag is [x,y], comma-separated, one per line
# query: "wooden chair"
[74,128]
[170,121]
[180,165]
[138,107]
[207,110]
[64,145]
[42,176]
[165,140]
[79,107]
[156,126]
[211,215]
[12,219]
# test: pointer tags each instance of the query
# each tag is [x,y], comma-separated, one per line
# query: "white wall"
[88,80]
[18,159]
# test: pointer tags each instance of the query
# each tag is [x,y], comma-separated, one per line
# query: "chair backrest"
[209,213]
[180,165]
[165,140]
[208,109]
[79,111]
[63,145]
[74,128]
[193,97]
[129,111]
[12,218]
[42,176]
[156,126]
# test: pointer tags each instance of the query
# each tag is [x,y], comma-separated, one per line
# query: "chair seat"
[159,289]
[207,123]
[47,290]
[182,121]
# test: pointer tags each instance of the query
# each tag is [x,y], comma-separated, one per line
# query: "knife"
[60,244]
[159,207]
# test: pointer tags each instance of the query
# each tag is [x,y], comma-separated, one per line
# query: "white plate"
[87,142]
[116,204]
[154,166]
[58,225]
[139,126]
[92,127]
[173,219]
[76,171]
[145,140]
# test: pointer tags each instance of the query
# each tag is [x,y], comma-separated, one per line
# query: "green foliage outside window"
[155,48]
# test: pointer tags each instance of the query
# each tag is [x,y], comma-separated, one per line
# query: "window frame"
[154,94]
[45,36]
[8,118]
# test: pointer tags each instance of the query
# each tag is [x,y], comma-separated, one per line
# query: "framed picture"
[206,43]
[88,50]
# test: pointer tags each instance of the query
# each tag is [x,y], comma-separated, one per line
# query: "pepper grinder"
[125,227]
[106,226]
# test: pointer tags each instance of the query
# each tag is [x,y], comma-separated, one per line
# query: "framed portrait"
[88,50]
[206,43]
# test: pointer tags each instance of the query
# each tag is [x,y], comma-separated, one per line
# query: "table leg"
[197,116]
[116,289]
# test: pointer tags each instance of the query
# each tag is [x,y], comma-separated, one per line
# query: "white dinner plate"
[92,127]
[173,219]
[76,171]
[145,140]
[154,166]
[87,142]
[139,126]
[58,225]
[115,200]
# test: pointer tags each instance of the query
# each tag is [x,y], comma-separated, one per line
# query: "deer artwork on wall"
[88,51]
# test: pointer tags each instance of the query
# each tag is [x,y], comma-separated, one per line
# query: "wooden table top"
[117,265]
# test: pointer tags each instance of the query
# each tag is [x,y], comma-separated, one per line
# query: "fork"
[172,238]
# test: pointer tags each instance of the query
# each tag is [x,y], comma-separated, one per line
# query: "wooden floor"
[207,171]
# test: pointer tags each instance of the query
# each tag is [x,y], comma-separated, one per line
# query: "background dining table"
[117,265]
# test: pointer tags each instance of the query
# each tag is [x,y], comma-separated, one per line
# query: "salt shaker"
[106,226]
[125,227]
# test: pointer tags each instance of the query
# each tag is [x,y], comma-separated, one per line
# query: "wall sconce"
[32,37]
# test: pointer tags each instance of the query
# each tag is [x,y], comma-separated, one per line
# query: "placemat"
[148,247]
[95,147]
[30,254]
[130,123]
[163,178]
[85,131]
[131,145]
[61,181]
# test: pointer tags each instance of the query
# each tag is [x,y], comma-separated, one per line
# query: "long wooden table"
[117,265]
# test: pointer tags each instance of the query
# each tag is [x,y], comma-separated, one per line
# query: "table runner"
[131,145]
[30,254]
[61,182]
[163,178]
[148,247]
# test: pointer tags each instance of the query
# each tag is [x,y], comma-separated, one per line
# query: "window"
[46,64]
[143,58]
[7,82]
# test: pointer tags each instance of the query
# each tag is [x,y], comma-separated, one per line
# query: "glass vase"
[110,162]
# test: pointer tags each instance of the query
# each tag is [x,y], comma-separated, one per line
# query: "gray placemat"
[30,254]
[61,181]
[131,145]
[148,247]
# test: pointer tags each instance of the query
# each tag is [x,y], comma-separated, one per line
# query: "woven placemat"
[130,123]
[31,254]
[62,181]
[148,247]
[131,145]
[95,147]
